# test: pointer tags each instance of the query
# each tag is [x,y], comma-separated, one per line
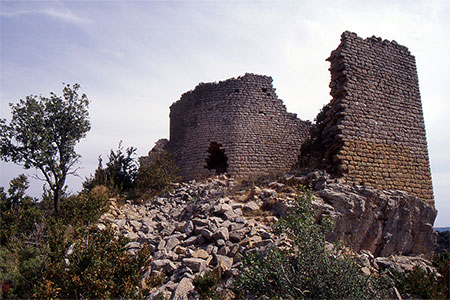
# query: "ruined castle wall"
[244,116]
[375,131]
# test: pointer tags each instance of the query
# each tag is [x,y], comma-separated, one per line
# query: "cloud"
[63,15]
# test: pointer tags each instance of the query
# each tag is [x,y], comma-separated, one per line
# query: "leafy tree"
[43,133]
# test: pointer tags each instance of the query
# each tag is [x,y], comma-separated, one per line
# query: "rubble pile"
[208,226]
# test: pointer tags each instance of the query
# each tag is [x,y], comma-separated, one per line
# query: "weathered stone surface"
[188,227]
[101,226]
[132,235]
[251,206]
[224,262]
[133,245]
[225,207]
[163,265]
[190,241]
[182,289]
[385,223]
[195,264]
[231,215]
[120,222]
[171,243]
[236,235]
[221,233]
[267,193]
[200,253]
[207,234]
[136,225]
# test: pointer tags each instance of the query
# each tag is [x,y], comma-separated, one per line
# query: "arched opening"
[216,160]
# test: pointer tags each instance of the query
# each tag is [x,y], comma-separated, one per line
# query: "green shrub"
[85,208]
[118,175]
[21,219]
[443,242]
[206,286]
[305,270]
[424,284]
[20,267]
[156,280]
[34,244]
[18,212]
[417,282]
[155,178]
[99,267]
[441,262]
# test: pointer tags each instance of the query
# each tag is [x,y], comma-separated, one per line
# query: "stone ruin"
[237,126]
[371,133]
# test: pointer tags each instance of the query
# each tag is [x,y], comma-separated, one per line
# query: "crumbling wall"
[373,130]
[240,120]
[159,147]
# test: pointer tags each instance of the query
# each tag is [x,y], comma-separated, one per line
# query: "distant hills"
[442,229]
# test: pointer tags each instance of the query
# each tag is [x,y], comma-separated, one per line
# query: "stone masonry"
[237,126]
[374,131]
[371,133]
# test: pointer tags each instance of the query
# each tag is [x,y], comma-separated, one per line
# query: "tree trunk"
[57,200]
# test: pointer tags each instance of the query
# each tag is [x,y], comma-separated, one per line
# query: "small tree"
[155,178]
[119,174]
[16,191]
[43,133]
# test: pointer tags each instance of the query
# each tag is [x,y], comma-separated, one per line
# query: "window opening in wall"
[216,159]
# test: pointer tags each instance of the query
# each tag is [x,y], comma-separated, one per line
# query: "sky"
[133,59]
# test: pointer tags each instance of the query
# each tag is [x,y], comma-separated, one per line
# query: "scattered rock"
[224,262]
[251,206]
[182,290]
[188,238]
[200,253]
[195,264]
[221,233]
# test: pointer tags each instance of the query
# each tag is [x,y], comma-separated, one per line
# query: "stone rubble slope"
[192,231]
[208,226]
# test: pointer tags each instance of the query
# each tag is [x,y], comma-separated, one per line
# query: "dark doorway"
[216,159]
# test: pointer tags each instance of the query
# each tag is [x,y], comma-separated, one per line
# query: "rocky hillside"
[206,226]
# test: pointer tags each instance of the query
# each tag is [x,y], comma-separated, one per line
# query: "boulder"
[224,262]
[182,289]
[251,206]
[383,222]
[221,233]
[200,253]
[195,264]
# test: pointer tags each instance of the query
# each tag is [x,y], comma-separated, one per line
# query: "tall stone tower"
[374,132]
